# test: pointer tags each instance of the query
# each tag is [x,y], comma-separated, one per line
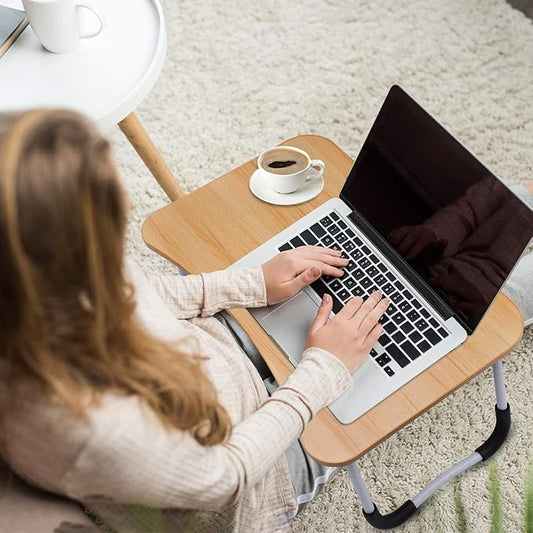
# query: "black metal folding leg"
[482,453]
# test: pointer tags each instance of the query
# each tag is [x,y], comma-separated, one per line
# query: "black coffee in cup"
[284,161]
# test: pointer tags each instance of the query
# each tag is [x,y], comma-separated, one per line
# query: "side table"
[106,78]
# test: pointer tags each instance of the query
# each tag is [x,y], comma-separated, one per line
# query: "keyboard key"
[344,294]
[405,307]
[396,297]
[365,262]
[334,229]
[410,350]
[334,215]
[398,356]
[424,346]
[398,318]
[442,332]
[374,259]
[358,291]
[421,324]
[285,247]
[408,295]
[391,309]
[296,242]
[337,304]
[390,327]
[366,249]
[387,289]
[407,327]
[327,240]
[357,241]
[349,246]
[433,322]
[373,352]
[372,271]
[398,337]
[351,266]
[320,287]
[389,371]
[309,238]
[366,282]
[336,246]
[391,276]
[326,221]
[350,233]
[399,285]
[357,254]
[417,304]
[384,340]
[431,336]
[415,336]
[383,360]
[336,285]
[318,230]
[382,267]
[342,224]
[413,315]
[341,238]
[348,281]
[424,313]
[380,280]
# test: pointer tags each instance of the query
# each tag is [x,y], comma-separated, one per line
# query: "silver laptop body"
[425,322]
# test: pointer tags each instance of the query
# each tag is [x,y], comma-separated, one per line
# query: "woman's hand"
[290,271]
[352,332]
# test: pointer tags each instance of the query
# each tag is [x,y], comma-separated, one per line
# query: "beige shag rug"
[242,76]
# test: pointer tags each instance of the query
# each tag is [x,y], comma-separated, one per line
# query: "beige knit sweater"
[137,475]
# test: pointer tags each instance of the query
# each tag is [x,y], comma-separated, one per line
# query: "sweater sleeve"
[132,458]
[206,294]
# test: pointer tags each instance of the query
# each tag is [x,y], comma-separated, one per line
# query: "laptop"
[419,218]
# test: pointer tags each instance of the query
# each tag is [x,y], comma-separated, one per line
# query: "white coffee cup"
[286,169]
[56,23]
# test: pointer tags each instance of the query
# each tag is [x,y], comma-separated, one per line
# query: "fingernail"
[326,298]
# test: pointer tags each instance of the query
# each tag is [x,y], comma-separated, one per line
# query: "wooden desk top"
[219,223]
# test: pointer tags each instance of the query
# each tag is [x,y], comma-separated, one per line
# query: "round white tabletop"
[106,77]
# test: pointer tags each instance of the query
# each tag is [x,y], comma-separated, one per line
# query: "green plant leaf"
[528,500]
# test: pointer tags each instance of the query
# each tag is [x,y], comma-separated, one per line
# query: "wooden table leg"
[138,137]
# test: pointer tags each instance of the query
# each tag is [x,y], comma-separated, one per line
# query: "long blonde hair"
[67,312]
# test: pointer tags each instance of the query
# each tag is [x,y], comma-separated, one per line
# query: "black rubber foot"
[394,519]
[499,434]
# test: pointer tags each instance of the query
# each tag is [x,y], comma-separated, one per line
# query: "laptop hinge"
[405,269]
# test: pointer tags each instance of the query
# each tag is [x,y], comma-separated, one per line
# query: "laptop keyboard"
[410,329]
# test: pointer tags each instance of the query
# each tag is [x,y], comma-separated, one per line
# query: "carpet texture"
[242,76]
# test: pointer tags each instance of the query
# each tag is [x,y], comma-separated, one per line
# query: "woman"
[123,391]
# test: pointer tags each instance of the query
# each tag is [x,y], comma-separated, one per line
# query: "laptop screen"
[449,217]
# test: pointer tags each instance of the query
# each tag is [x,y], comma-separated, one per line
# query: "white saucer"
[307,192]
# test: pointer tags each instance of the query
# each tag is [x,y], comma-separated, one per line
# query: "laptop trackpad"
[289,323]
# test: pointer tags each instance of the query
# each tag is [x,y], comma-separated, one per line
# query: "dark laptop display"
[445,213]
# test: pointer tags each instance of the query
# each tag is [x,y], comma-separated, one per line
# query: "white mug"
[55,22]
[286,169]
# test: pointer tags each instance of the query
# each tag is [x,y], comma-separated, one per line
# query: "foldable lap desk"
[219,223]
